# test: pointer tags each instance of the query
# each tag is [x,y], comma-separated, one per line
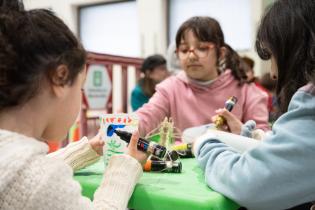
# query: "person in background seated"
[154,71]
[210,75]
[270,85]
[249,69]
[248,66]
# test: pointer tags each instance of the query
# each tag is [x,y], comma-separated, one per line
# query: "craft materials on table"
[166,159]
[113,144]
[163,166]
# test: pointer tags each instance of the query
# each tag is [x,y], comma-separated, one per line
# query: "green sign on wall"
[97,78]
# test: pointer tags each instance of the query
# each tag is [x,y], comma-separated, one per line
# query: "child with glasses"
[279,172]
[211,75]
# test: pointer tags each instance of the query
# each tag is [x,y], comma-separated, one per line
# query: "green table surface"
[163,191]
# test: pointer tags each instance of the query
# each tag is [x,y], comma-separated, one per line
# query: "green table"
[163,191]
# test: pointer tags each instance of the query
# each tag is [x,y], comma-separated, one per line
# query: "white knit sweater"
[31,180]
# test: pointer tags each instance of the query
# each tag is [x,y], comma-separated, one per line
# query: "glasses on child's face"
[201,51]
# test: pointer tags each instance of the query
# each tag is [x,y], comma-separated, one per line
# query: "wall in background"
[235,23]
[104,30]
[152,22]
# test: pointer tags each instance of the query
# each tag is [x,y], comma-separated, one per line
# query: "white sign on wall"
[97,87]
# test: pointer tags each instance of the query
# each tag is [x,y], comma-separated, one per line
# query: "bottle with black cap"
[143,144]
[163,166]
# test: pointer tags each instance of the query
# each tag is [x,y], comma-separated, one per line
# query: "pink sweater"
[190,104]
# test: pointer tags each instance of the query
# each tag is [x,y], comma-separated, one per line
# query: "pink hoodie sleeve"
[256,107]
[153,113]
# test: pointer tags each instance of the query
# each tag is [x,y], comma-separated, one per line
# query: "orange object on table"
[53,146]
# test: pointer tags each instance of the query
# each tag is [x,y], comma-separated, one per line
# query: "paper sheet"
[238,142]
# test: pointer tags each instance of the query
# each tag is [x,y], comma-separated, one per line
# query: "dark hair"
[250,62]
[152,62]
[148,65]
[267,82]
[32,45]
[287,33]
[208,29]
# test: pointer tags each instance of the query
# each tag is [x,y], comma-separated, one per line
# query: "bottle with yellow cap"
[184,150]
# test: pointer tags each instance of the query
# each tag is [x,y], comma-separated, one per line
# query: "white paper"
[237,142]
[113,144]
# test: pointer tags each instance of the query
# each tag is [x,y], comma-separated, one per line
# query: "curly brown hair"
[32,44]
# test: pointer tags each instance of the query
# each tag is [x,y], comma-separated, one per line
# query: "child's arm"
[53,187]
[152,113]
[81,153]
[271,175]
[48,184]
[234,125]
[120,178]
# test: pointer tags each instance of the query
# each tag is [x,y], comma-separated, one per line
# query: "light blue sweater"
[280,172]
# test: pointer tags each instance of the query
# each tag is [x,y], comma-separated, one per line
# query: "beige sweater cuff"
[77,154]
[120,178]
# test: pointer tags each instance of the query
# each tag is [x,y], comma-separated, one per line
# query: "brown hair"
[250,62]
[208,29]
[287,32]
[148,65]
[32,45]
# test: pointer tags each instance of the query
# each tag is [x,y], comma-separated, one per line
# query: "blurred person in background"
[270,86]
[249,69]
[154,71]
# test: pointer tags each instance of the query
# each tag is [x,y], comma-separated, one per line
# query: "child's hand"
[97,143]
[134,152]
[233,124]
